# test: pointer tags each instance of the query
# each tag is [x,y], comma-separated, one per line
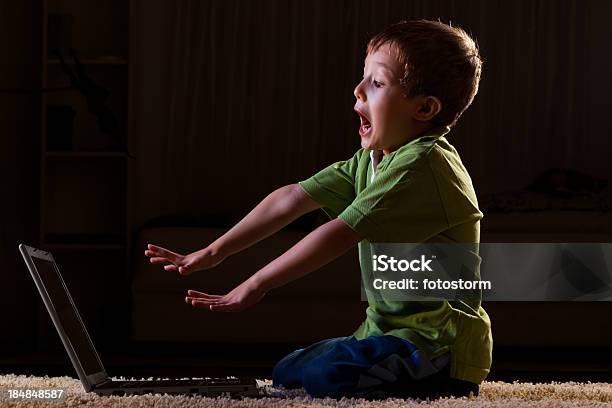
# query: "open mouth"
[365,126]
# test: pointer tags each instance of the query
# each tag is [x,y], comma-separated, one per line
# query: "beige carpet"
[493,394]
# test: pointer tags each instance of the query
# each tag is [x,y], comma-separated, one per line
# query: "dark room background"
[232,99]
[235,98]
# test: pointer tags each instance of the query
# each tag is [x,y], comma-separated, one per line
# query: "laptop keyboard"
[178,382]
[209,386]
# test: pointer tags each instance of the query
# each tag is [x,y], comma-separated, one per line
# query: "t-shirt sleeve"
[401,205]
[334,186]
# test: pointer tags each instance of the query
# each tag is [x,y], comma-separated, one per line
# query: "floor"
[175,360]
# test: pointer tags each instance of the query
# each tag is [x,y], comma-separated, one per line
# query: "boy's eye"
[377,84]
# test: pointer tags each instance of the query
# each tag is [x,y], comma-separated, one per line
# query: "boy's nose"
[358,92]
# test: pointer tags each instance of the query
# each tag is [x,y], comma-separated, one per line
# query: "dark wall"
[261,94]
[19,161]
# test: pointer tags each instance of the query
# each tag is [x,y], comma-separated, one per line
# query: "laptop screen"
[68,316]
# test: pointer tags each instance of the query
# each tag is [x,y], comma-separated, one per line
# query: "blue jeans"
[375,367]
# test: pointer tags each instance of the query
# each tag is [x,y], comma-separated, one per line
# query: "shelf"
[71,126]
[85,154]
[92,61]
[85,197]
[84,163]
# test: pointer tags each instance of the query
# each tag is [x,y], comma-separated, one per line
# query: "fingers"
[196,294]
[154,250]
[200,299]
[199,303]
[206,301]
[171,267]
[159,255]
[158,260]
[149,253]
[225,307]
[184,270]
[214,305]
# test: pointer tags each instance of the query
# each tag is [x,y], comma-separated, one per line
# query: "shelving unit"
[100,61]
[86,159]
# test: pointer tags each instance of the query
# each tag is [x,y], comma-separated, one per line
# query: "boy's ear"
[427,107]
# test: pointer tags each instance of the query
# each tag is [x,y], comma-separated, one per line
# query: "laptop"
[84,356]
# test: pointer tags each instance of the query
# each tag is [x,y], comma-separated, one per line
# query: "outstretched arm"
[278,209]
[318,248]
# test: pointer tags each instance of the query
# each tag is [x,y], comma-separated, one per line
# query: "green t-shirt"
[421,192]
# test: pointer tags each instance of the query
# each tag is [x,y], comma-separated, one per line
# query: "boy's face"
[385,113]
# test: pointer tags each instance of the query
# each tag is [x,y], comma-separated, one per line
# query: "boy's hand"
[243,296]
[183,264]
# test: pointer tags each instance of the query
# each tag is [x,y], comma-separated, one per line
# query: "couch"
[323,304]
[327,303]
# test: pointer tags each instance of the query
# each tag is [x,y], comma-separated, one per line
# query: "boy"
[405,185]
